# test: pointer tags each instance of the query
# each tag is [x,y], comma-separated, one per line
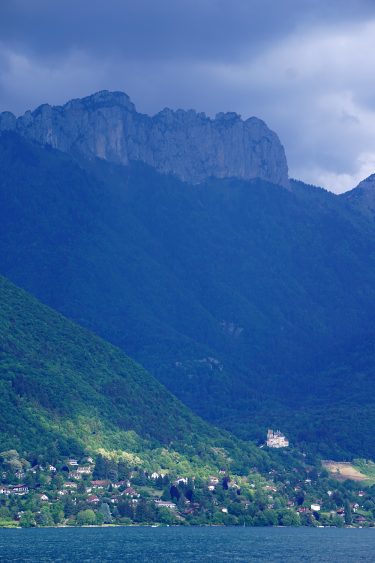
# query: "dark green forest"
[252,303]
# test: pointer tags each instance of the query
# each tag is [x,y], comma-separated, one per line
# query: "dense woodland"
[252,303]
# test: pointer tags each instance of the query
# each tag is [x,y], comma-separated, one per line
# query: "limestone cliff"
[185,143]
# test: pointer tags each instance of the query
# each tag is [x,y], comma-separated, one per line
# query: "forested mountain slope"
[64,391]
[232,293]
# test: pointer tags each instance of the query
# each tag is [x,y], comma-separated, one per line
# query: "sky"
[305,67]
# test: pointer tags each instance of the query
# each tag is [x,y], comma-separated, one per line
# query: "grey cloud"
[269,58]
[172,29]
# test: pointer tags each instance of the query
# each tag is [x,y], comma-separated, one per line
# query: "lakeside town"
[102,491]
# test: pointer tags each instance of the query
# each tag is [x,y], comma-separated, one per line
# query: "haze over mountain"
[251,302]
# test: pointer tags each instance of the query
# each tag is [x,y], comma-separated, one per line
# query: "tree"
[348,513]
[105,511]
[69,508]
[290,518]
[27,520]
[100,469]
[87,517]
[44,517]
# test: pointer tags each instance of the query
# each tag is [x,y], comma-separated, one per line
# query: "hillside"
[65,391]
[241,297]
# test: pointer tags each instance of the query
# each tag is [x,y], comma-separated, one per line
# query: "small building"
[82,470]
[100,484]
[275,439]
[93,499]
[20,489]
[165,504]
[121,484]
[73,462]
[130,492]
[70,485]
[315,507]
[4,490]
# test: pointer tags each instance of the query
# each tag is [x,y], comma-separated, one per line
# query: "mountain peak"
[367,183]
[187,144]
[104,98]
[362,196]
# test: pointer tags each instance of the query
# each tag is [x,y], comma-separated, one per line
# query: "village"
[98,491]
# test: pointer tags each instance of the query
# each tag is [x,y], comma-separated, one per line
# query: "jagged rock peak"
[185,143]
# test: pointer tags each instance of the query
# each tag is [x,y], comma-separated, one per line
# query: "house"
[276,439]
[225,510]
[52,468]
[43,497]
[211,487]
[70,485]
[100,484]
[360,519]
[121,484]
[181,481]
[84,470]
[213,480]
[315,507]
[130,492]
[93,499]
[73,462]
[4,490]
[165,504]
[20,489]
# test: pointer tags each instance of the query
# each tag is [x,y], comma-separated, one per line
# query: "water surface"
[179,545]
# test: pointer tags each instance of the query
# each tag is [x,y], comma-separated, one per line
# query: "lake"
[179,545]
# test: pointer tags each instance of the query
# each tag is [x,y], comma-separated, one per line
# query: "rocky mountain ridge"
[187,144]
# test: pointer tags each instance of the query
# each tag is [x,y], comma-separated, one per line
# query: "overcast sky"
[306,67]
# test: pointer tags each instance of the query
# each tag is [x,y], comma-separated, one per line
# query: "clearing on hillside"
[343,470]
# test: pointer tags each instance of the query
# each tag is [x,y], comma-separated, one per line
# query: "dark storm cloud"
[303,66]
[172,29]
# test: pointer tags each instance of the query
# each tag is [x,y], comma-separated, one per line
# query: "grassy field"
[343,470]
[367,468]
[358,470]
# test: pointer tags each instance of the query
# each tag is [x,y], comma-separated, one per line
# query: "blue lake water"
[179,545]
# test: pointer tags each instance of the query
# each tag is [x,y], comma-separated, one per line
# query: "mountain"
[65,390]
[362,197]
[244,299]
[185,143]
